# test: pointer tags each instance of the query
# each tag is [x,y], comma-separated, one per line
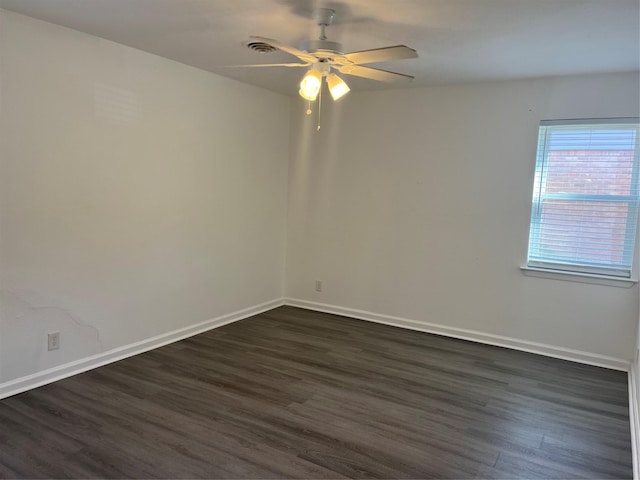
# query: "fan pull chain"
[308,107]
[319,107]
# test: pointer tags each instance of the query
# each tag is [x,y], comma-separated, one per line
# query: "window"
[585,197]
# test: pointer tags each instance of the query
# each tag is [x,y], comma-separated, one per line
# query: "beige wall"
[137,195]
[416,203]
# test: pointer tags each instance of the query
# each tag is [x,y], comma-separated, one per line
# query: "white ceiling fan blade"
[397,52]
[304,56]
[373,73]
[268,65]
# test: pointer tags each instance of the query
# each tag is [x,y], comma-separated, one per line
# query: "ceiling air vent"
[261,47]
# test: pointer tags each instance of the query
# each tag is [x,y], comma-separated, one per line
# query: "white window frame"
[568,269]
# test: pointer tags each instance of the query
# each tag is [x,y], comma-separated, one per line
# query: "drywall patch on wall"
[129,194]
[75,367]
[26,319]
[115,104]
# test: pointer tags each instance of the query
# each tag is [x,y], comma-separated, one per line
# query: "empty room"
[313,239]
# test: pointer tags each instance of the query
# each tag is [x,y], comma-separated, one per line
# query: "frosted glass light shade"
[337,87]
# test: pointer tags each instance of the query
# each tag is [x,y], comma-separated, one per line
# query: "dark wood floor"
[293,393]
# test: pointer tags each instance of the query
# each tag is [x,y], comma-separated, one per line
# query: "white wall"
[140,196]
[415,204]
[137,195]
[634,406]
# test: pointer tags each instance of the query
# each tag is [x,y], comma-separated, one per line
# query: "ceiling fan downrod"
[324,17]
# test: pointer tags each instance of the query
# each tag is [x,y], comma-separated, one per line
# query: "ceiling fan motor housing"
[321,47]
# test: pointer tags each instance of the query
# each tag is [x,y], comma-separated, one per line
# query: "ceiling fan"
[324,58]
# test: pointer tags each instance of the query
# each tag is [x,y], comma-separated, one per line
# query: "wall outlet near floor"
[53,341]
[318,285]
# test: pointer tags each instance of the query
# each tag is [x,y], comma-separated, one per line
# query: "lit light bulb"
[310,85]
[307,97]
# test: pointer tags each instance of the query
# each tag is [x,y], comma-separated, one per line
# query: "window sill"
[578,277]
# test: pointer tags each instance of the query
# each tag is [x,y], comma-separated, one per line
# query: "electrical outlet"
[53,341]
[318,285]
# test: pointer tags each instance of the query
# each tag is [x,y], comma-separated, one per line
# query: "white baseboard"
[464,334]
[634,418]
[28,382]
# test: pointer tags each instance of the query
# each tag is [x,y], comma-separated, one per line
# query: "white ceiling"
[457,40]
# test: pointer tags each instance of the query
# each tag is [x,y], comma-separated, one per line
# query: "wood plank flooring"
[297,394]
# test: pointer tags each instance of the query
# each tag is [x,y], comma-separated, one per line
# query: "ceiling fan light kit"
[322,56]
[311,83]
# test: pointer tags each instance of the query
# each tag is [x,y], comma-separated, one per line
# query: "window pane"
[589,233]
[585,199]
[594,172]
